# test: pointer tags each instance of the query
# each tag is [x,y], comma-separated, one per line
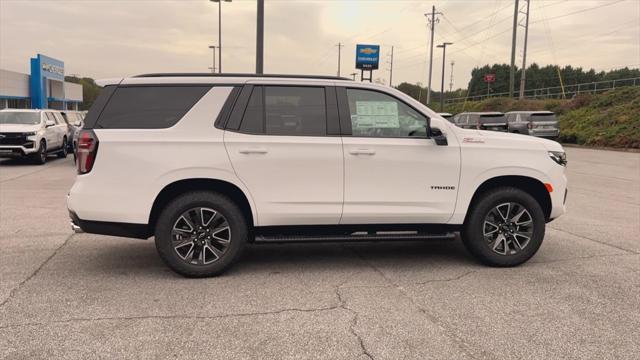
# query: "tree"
[90,90]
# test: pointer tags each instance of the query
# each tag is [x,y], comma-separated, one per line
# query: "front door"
[393,173]
[283,153]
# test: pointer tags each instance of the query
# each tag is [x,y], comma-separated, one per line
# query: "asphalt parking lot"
[84,296]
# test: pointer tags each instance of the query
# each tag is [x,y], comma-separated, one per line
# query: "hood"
[503,139]
[19,128]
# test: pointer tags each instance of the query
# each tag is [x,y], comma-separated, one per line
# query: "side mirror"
[439,137]
[50,123]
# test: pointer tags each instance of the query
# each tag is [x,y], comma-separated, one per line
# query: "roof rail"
[241,75]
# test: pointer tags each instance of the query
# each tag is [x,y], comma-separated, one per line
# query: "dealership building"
[44,88]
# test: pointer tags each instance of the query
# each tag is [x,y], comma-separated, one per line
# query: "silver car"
[534,123]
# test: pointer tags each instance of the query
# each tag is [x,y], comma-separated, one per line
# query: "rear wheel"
[505,227]
[201,234]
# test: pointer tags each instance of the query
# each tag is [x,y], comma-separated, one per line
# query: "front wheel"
[40,157]
[504,228]
[201,234]
[65,148]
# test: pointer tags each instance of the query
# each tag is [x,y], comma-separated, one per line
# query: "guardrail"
[556,92]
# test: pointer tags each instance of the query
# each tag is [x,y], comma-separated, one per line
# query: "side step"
[355,237]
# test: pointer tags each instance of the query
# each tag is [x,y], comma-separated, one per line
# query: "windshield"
[543,117]
[24,118]
[492,118]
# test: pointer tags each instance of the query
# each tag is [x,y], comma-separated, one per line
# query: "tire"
[65,148]
[500,242]
[174,240]
[40,157]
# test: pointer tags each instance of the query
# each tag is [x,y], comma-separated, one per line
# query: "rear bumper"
[545,133]
[138,231]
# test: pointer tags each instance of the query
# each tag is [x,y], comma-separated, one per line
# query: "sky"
[118,38]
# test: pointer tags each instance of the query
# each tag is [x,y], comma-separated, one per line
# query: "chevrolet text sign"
[367,56]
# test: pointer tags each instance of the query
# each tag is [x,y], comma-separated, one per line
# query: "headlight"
[559,157]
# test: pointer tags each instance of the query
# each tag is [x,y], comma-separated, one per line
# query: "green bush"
[609,119]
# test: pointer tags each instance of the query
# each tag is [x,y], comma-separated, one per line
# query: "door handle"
[254,151]
[362,152]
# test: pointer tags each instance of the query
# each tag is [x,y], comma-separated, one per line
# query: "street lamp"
[220,32]
[213,68]
[444,50]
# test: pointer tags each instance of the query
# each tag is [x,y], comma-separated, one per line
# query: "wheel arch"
[179,187]
[530,185]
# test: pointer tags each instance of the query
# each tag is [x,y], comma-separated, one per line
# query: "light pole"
[444,50]
[220,32]
[213,68]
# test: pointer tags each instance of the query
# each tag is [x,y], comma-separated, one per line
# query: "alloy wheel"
[508,228]
[200,236]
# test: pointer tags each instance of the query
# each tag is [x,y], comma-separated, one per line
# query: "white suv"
[208,163]
[33,134]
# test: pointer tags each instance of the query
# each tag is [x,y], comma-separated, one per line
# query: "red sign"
[489,78]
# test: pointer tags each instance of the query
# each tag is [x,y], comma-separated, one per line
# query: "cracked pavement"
[85,296]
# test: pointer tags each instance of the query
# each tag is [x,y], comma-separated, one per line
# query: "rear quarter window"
[148,107]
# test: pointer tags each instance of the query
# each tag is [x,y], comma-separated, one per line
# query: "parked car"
[446,116]
[494,121]
[33,134]
[535,123]
[208,163]
[75,119]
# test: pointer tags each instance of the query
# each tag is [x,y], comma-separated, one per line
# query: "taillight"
[87,151]
[529,125]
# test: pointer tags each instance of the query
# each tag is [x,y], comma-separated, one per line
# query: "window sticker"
[376,114]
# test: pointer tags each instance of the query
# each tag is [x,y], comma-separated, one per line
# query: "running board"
[380,236]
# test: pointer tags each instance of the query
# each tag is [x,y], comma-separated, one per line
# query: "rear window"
[148,107]
[543,117]
[492,118]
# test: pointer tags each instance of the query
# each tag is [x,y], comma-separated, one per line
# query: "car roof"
[226,78]
[531,112]
[482,113]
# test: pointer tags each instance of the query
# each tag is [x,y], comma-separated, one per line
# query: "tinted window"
[472,119]
[98,106]
[253,119]
[149,107]
[379,115]
[295,111]
[543,117]
[492,118]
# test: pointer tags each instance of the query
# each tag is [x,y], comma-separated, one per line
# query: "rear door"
[393,173]
[284,144]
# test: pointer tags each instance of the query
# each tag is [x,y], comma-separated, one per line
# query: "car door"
[51,133]
[284,145]
[393,173]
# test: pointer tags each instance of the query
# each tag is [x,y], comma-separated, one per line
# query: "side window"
[253,118]
[374,114]
[295,111]
[59,119]
[149,107]
[518,118]
[473,119]
[286,110]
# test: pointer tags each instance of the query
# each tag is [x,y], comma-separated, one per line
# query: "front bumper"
[16,151]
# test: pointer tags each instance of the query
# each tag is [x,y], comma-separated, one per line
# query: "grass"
[610,119]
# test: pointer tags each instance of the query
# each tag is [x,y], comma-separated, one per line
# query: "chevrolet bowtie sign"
[367,56]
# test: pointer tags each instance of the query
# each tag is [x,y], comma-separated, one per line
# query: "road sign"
[489,78]
[367,56]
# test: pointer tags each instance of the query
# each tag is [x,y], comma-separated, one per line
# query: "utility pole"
[220,32]
[512,72]
[444,53]
[213,68]
[524,54]
[260,38]
[451,79]
[432,24]
[353,75]
[391,69]
[339,48]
